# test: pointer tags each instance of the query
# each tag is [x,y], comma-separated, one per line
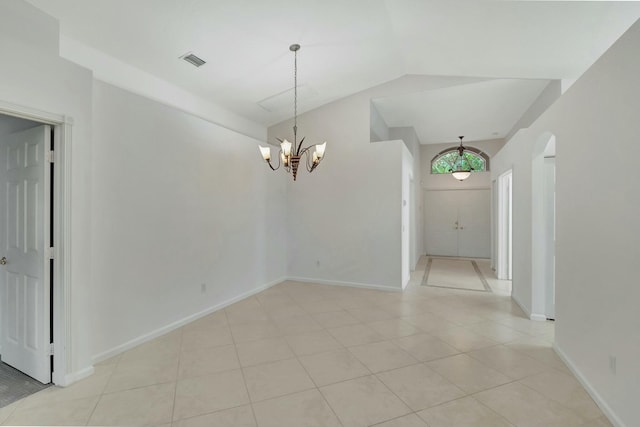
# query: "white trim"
[349,284]
[504,261]
[33,114]
[522,307]
[62,366]
[76,376]
[62,320]
[457,188]
[179,323]
[532,316]
[604,407]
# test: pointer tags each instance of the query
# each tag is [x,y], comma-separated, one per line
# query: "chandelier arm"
[279,162]
[311,165]
[306,161]
[300,146]
[305,150]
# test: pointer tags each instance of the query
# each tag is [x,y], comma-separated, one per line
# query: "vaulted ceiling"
[347,45]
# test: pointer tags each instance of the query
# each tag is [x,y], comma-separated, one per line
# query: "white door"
[440,228]
[458,223]
[24,237]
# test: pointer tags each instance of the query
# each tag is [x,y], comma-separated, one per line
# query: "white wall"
[597,229]
[161,201]
[344,219]
[416,236]
[548,96]
[179,202]
[378,128]
[33,75]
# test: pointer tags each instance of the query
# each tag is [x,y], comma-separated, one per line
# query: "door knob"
[3,261]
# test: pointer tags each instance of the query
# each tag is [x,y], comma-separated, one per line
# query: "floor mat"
[14,385]
[455,273]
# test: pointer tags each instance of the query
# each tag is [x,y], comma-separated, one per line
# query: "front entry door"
[458,223]
[24,236]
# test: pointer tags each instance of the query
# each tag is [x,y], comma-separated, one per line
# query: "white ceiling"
[347,45]
[477,110]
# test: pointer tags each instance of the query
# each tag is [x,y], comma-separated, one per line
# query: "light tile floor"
[314,355]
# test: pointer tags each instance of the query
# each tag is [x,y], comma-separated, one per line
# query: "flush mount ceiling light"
[462,167]
[291,153]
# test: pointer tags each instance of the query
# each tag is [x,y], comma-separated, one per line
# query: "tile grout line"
[175,388]
[481,276]
[102,393]
[244,380]
[427,270]
[319,391]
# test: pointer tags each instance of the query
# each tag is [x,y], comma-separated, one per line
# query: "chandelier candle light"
[291,153]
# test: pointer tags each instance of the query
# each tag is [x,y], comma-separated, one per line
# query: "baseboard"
[532,316]
[522,307]
[75,376]
[349,284]
[604,407]
[538,317]
[179,323]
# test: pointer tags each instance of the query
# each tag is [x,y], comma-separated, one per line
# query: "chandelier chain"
[293,155]
[295,94]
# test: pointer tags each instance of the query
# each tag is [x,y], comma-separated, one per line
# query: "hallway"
[308,354]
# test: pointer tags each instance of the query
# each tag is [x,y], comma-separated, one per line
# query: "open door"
[25,223]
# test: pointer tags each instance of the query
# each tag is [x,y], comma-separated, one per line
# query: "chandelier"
[291,153]
[460,171]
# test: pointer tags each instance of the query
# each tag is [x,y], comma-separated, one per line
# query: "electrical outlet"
[203,288]
[612,364]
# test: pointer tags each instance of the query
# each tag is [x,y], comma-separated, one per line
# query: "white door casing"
[24,230]
[550,236]
[504,262]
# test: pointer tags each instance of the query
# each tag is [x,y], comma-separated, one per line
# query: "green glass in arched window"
[447,161]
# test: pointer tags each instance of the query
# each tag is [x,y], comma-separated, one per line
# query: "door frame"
[504,261]
[61,226]
[542,242]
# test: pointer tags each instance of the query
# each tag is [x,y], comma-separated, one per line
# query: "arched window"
[445,161]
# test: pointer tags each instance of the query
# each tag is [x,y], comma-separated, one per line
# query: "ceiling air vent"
[193,60]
